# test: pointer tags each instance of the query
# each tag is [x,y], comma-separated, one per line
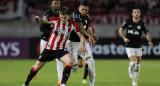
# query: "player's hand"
[91,40]
[126,40]
[150,43]
[96,37]
[37,19]
[94,42]
[83,50]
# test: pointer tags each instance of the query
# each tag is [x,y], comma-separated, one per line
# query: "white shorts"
[134,52]
[74,50]
[42,45]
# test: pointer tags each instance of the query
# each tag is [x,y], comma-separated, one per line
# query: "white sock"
[91,70]
[136,73]
[59,69]
[130,68]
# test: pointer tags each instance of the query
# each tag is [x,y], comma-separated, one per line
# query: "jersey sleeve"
[54,19]
[144,28]
[75,26]
[124,25]
[91,28]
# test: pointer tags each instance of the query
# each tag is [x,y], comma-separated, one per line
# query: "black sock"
[85,71]
[66,73]
[30,76]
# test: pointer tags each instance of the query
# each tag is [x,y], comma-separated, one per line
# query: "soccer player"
[56,44]
[80,16]
[134,28]
[46,29]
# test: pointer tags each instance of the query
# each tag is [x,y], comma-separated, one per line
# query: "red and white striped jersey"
[60,33]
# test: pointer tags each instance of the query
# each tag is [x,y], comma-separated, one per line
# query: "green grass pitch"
[108,73]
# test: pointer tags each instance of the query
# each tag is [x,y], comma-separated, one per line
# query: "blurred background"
[20,35]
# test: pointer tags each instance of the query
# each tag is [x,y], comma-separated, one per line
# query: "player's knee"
[74,68]
[69,62]
[90,61]
[37,67]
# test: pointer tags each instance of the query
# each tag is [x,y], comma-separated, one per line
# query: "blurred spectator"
[142,4]
[130,4]
[97,6]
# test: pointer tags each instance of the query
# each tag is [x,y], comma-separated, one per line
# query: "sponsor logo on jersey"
[84,26]
[130,26]
[86,21]
[133,32]
[62,32]
[138,27]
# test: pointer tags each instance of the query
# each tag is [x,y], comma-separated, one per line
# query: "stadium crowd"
[99,6]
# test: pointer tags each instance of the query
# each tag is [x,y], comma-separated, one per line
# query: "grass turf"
[108,73]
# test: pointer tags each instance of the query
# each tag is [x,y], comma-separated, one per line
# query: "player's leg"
[91,64]
[133,61]
[91,69]
[46,55]
[33,72]
[73,48]
[68,60]
[42,46]
[59,70]
[80,62]
[85,73]
[137,65]
[80,65]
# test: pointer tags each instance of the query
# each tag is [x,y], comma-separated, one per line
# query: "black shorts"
[48,55]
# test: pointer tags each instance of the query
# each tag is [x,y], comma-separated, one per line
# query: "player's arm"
[124,25]
[126,40]
[76,28]
[39,20]
[92,31]
[82,39]
[85,32]
[43,21]
[148,37]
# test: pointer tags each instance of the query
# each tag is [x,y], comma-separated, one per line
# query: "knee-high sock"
[91,70]
[130,68]
[136,73]
[85,71]
[30,75]
[66,73]
[59,69]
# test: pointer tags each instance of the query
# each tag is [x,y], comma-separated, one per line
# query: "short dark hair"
[55,0]
[64,11]
[85,3]
[136,9]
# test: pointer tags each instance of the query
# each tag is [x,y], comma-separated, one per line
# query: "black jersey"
[46,28]
[77,17]
[134,32]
